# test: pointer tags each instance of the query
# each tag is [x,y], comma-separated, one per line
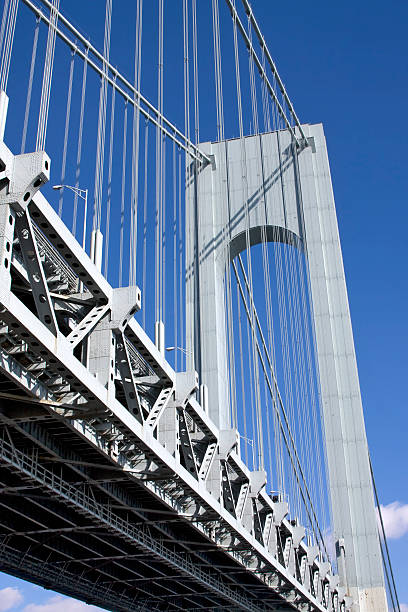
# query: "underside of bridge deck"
[59,537]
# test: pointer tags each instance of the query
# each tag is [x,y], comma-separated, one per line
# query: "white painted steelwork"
[78,361]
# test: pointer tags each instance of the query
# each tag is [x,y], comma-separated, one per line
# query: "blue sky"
[345,65]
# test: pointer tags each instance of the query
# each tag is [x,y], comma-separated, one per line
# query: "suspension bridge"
[180,414]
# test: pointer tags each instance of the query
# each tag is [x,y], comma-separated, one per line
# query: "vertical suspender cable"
[299,474]
[145,224]
[100,145]
[229,332]
[321,458]
[79,147]
[242,376]
[279,456]
[251,425]
[288,479]
[8,27]
[180,258]
[195,67]
[135,147]
[163,225]
[122,204]
[196,165]
[175,300]
[299,351]
[159,175]
[294,367]
[254,101]
[259,435]
[67,118]
[229,319]
[186,74]
[30,85]
[217,69]
[3,28]
[47,78]
[109,198]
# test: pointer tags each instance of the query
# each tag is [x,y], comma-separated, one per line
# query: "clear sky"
[345,65]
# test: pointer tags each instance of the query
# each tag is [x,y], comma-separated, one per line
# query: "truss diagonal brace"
[126,374]
[35,271]
[185,444]
[84,328]
[227,490]
[159,407]
[208,459]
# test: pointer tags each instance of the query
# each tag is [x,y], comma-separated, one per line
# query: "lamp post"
[81,193]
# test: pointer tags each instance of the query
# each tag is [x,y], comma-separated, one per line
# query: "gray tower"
[291,197]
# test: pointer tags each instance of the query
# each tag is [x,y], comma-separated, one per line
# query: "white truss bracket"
[126,301]
[228,439]
[186,385]
[334,581]
[257,480]
[26,175]
[324,567]
[298,533]
[280,510]
[312,553]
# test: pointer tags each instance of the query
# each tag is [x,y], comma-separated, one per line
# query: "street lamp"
[178,348]
[81,193]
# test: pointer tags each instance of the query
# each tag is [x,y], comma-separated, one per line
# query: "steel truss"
[116,487]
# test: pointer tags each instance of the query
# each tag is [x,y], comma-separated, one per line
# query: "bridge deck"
[89,529]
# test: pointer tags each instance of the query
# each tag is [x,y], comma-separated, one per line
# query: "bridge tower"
[290,200]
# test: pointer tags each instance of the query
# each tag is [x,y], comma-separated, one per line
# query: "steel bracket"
[126,301]
[186,384]
[26,173]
